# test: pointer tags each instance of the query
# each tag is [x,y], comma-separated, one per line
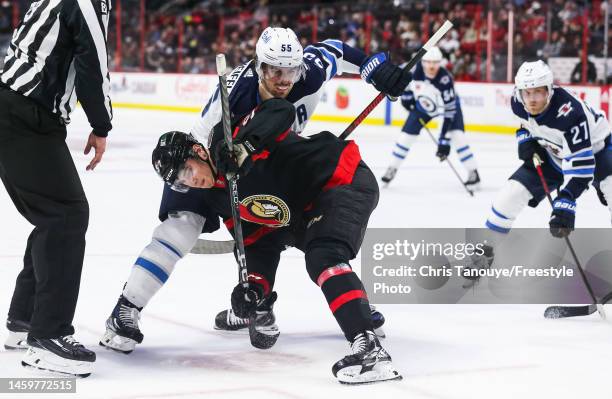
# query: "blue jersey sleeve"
[335,57]
[444,83]
[579,166]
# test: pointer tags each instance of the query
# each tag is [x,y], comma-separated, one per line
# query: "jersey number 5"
[576,130]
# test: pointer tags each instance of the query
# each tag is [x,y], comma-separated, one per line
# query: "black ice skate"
[18,334]
[122,331]
[479,262]
[473,180]
[368,363]
[389,175]
[226,320]
[64,355]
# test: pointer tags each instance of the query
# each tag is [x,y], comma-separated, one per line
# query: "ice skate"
[389,175]
[368,363]
[18,335]
[63,355]
[473,180]
[122,330]
[483,261]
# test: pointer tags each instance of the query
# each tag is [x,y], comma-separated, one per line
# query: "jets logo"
[427,104]
[565,109]
[445,80]
[266,210]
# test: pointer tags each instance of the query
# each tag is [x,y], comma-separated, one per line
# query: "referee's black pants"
[42,181]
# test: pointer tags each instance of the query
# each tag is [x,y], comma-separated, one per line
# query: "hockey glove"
[563,215]
[232,162]
[245,301]
[385,76]
[443,149]
[408,101]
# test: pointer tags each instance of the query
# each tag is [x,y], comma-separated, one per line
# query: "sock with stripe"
[401,148]
[464,151]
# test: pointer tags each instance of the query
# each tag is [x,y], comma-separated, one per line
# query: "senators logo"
[266,210]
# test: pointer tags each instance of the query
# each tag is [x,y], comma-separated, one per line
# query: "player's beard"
[274,91]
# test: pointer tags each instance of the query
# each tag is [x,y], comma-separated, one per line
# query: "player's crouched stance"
[312,193]
[572,139]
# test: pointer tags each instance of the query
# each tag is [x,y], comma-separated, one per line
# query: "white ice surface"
[443,352]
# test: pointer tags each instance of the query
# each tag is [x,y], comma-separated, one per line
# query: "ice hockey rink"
[443,352]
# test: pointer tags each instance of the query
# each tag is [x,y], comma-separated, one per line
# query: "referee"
[57,54]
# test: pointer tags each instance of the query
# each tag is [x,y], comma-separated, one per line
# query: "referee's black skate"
[368,362]
[18,334]
[64,355]
[122,330]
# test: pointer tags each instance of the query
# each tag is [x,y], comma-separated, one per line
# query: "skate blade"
[240,331]
[111,340]
[16,341]
[381,372]
[43,360]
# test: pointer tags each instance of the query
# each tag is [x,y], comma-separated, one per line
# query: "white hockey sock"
[172,240]
[150,271]
[510,201]
[401,148]
[464,152]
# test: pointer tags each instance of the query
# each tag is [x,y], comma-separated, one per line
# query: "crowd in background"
[184,35]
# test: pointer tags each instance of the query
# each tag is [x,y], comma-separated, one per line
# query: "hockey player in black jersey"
[312,193]
[282,69]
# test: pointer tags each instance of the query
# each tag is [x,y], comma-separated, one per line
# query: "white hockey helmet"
[433,54]
[533,74]
[280,48]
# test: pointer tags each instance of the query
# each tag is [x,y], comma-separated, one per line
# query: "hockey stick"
[212,247]
[204,246]
[232,179]
[537,162]
[446,159]
[559,312]
[416,58]
[265,337]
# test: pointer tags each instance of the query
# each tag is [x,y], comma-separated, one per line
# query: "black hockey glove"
[528,146]
[443,149]
[563,215]
[245,301]
[232,163]
[385,76]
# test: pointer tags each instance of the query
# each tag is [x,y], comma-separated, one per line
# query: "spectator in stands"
[591,76]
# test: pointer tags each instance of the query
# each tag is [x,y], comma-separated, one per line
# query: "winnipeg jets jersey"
[433,96]
[322,61]
[571,131]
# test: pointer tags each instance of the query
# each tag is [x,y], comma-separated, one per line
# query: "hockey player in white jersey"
[281,69]
[430,94]
[571,137]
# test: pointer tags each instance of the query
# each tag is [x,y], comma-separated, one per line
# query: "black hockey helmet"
[169,156]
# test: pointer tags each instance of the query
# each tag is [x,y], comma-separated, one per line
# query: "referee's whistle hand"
[99,146]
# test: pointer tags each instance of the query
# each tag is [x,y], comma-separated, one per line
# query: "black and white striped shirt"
[60,46]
